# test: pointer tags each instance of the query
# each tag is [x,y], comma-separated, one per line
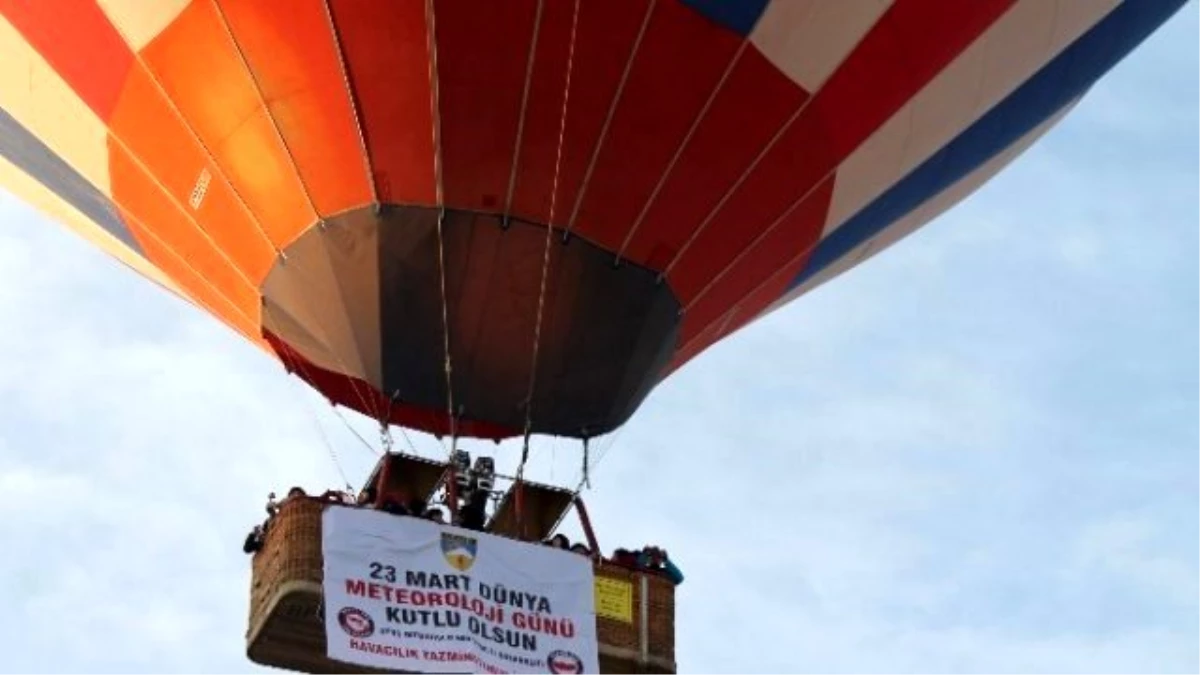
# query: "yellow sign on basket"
[614,599]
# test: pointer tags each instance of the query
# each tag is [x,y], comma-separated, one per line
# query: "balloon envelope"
[363,187]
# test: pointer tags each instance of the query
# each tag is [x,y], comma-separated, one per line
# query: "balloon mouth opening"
[356,309]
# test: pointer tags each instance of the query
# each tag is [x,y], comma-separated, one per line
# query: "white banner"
[403,593]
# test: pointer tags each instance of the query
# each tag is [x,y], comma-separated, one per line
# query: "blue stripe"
[736,15]
[31,155]
[1059,82]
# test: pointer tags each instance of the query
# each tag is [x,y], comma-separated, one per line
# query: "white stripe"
[926,212]
[37,97]
[1021,42]
[140,21]
[807,39]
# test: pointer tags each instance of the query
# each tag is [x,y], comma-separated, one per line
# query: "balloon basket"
[286,629]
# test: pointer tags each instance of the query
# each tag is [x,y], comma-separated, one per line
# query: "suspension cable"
[316,420]
[360,437]
[587,483]
[451,418]
[447,366]
[337,463]
[408,441]
[589,466]
[297,366]
[537,328]
[435,106]
[367,401]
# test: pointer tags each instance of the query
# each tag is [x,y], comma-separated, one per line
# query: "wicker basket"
[286,631]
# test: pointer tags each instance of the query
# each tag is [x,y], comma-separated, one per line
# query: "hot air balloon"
[492,219]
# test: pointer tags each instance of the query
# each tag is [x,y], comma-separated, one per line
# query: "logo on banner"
[459,551]
[561,661]
[356,622]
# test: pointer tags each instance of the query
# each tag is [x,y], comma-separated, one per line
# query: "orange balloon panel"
[497,216]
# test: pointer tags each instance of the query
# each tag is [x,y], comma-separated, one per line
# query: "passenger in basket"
[333,497]
[581,548]
[624,556]
[656,559]
[254,540]
[473,515]
[558,541]
[272,505]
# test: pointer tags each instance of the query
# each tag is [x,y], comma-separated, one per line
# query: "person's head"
[271,496]
[654,555]
[558,541]
[436,515]
[296,492]
[580,548]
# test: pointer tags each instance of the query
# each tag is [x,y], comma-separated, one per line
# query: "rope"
[450,416]
[435,107]
[524,458]
[408,441]
[385,439]
[537,329]
[367,401]
[589,466]
[446,364]
[298,367]
[385,434]
[316,420]
[354,431]
[332,453]
[586,482]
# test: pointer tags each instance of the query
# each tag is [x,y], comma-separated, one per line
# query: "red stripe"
[604,39]
[798,232]
[681,60]
[695,337]
[78,41]
[481,54]
[387,59]
[893,62]
[753,105]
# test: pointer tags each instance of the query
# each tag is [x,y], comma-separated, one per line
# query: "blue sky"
[976,453]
